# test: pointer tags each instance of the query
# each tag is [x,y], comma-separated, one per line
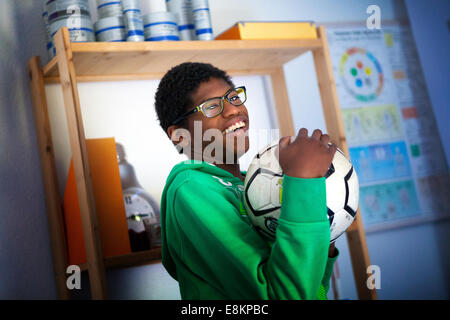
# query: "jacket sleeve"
[329,271]
[228,253]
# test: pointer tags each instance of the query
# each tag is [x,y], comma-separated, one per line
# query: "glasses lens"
[212,108]
[237,96]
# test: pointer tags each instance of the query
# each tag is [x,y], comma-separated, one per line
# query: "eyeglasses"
[213,107]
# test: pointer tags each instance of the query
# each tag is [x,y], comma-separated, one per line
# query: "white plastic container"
[183,10]
[111,29]
[134,23]
[151,6]
[202,20]
[72,14]
[61,9]
[109,8]
[161,26]
[51,51]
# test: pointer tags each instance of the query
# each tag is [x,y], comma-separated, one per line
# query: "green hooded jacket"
[213,251]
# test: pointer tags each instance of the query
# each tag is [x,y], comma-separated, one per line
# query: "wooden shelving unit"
[107,61]
[130,260]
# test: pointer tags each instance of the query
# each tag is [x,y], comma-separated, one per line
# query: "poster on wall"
[390,127]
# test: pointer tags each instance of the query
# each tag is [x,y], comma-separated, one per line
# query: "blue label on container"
[110,28]
[173,38]
[202,31]
[132,10]
[186,27]
[200,9]
[108,4]
[156,23]
[76,29]
[135,33]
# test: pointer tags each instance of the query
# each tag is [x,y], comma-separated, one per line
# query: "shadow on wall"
[443,243]
[26,269]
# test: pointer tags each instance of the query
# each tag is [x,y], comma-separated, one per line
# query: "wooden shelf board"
[132,259]
[133,60]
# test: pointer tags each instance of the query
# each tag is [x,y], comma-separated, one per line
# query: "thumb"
[284,142]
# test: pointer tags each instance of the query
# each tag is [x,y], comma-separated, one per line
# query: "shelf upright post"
[355,233]
[95,262]
[283,109]
[49,177]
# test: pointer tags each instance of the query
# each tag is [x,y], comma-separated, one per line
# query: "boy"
[209,245]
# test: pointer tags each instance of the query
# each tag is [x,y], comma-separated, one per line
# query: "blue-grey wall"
[430,23]
[26,269]
[414,261]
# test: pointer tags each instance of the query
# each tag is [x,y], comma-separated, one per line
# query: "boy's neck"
[234,169]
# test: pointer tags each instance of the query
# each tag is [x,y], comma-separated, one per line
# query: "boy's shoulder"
[197,176]
[191,172]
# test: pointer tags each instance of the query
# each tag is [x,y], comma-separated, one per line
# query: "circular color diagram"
[361,74]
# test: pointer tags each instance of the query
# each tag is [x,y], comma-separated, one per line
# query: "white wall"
[417,251]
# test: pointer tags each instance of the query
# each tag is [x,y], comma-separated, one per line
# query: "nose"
[229,110]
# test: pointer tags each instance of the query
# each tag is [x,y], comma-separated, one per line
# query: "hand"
[331,251]
[306,157]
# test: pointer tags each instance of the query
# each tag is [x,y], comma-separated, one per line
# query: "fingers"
[325,139]
[303,132]
[284,141]
[317,134]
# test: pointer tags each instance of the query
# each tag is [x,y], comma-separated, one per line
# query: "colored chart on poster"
[361,74]
[371,124]
[381,161]
[388,202]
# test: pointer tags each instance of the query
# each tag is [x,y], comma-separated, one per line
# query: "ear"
[170,132]
[180,137]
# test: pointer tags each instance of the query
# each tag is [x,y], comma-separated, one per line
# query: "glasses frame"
[199,108]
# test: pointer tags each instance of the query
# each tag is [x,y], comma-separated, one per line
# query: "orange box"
[109,204]
[249,30]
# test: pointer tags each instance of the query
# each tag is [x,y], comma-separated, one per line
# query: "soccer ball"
[263,189]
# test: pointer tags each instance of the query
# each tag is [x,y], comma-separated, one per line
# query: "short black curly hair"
[174,94]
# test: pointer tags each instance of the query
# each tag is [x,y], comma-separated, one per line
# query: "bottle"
[108,8]
[161,26]
[183,10]
[133,20]
[142,211]
[202,20]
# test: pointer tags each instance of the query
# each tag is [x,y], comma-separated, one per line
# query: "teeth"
[235,126]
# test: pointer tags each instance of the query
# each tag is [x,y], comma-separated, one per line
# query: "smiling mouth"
[235,127]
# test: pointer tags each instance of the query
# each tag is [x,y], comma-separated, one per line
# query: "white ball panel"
[342,220]
[261,185]
[276,189]
[336,192]
[341,165]
[353,187]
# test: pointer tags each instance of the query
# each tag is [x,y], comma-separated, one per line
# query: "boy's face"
[235,144]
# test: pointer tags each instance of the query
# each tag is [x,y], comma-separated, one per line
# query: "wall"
[414,257]
[431,28]
[26,269]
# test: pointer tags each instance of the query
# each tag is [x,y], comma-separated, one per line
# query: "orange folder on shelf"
[109,205]
[259,30]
